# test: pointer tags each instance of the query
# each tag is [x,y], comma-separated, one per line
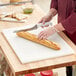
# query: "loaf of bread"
[34,38]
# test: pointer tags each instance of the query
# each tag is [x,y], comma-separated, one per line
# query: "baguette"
[34,38]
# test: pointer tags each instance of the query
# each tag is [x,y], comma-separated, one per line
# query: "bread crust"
[34,38]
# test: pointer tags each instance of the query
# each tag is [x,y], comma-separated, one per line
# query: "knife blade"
[15,3]
[34,27]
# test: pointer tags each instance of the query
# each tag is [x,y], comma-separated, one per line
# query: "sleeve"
[54,4]
[70,23]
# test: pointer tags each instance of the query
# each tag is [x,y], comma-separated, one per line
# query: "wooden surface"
[19,68]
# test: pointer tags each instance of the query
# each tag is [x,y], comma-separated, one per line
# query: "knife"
[15,3]
[34,27]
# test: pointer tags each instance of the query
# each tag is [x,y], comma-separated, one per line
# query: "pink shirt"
[67,16]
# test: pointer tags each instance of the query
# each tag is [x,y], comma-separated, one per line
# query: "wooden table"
[18,68]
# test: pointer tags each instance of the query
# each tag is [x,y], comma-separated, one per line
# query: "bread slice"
[34,38]
[6,15]
[2,16]
[20,16]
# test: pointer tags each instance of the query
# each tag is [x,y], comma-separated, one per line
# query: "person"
[66,10]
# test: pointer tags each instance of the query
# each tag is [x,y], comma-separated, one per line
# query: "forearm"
[52,12]
[59,27]
[69,24]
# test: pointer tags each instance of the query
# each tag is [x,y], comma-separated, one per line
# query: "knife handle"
[47,23]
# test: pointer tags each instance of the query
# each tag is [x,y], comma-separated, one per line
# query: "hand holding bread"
[34,38]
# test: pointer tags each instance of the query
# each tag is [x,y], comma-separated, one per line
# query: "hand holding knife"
[34,27]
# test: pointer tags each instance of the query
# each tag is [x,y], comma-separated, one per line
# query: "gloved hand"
[52,12]
[50,31]
[46,18]
[46,33]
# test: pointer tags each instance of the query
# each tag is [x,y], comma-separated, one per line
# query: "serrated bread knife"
[34,27]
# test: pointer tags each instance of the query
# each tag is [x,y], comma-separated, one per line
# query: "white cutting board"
[28,51]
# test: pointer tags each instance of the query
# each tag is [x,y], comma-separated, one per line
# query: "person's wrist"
[52,30]
[55,29]
[50,14]
[59,27]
